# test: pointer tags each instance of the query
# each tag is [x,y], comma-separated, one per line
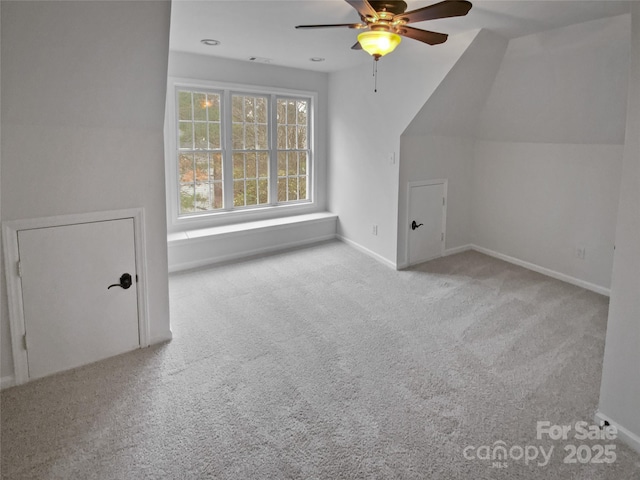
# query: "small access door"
[79,294]
[427,203]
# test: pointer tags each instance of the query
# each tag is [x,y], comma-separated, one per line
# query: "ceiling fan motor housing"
[394,8]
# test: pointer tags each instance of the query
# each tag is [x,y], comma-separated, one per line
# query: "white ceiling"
[265,28]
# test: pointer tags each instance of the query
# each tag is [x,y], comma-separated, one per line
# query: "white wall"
[566,85]
[431,157]
[620,389]
[547,164]
[365,128]
[182,253]
[439,142]
[83,91]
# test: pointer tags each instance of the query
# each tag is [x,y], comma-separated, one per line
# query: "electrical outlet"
[581,252]
[374,230]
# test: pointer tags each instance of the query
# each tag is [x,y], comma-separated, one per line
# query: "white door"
[71,316]
[426,215]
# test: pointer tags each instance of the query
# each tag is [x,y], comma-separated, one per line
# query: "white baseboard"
[366,251]
[628,437]
[6,382]
[446,253]
[165,337]
[454,250]
[545,271]
[246,254]
[516,261]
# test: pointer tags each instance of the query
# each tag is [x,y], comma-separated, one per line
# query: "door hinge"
[19,269]
[442,237]
[442,201]
[24,341]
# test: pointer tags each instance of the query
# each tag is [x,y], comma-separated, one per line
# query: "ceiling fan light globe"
[379,43]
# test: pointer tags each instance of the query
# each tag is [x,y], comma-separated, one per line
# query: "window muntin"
[239,150]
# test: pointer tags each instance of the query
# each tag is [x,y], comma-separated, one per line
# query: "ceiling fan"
[386,21]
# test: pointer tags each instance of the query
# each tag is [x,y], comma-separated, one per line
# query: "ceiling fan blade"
[331,25]
[432,38]
[448,8]
[364,8]
[356,46]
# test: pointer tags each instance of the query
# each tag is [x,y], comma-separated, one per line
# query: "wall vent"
[260,59]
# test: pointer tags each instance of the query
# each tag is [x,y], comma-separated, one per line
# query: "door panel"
[426,208]
[71,317]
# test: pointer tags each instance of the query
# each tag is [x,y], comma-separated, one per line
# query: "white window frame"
[229,216]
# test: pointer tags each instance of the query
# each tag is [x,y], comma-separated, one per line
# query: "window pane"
[187,198]
[214,135]
[282,189]
[282,111]
[186,135]
[282,163]
[200,135]
[262,137]
[203,196]
[293,188]
[250,122]
[303,188]
[238,166]
[303,162]
[282,137]
[186,168]
[202,167]
[261,110]
[249,137]
[216,167]
[250,165]
[238,193]
[302,137]
[291,138]
[249,113]
[293,164]
[236,109]
[302,112]
[237,133]
[217,195]
[213,101]
[263,191]
[201,182]
[200,106]
[263,165]
[184,106]
[251,192]
[291,112]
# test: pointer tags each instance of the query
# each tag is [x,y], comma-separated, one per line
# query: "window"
[240,150]
[293,151]
[199,152]
[250,139]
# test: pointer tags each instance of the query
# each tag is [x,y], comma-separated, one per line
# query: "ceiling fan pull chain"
[375,75]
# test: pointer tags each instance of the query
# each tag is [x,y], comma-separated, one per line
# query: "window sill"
[202,234]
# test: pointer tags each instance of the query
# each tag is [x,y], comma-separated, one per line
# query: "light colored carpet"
[323,364]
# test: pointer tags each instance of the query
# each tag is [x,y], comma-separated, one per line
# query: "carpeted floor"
[323,364]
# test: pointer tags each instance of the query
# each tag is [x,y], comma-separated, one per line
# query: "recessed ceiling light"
[209,41]
[317,59]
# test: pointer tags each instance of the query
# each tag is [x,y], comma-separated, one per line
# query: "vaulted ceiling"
[265,29]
